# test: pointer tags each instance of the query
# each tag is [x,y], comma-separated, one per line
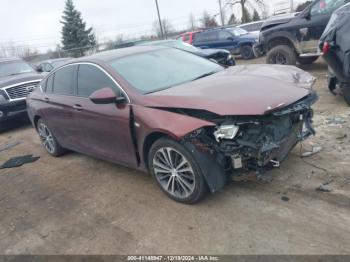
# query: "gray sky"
[36,22]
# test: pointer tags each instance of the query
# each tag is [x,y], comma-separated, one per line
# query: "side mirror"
[39,69]
[230,38]
[103,96]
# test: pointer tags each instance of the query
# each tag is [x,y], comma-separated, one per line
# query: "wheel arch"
[149,140]
[281,40]
[36,120]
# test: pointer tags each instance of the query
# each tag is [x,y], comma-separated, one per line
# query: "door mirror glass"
[39,69]
[104,96]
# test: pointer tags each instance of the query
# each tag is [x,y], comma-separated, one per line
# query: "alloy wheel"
[174,172]
[281,59]
[46,138]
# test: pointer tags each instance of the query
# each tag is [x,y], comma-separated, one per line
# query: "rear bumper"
[11,110]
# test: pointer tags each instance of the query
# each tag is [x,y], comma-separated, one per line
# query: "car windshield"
[238,31]
[14,68]
[161,69]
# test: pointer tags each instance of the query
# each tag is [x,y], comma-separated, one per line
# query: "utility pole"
[160,21]
[221,15]
[291,6]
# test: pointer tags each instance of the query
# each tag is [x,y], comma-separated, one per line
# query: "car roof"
[111,55]
[55,60]
[9,59]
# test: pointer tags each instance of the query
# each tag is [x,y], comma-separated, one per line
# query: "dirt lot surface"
[79,205]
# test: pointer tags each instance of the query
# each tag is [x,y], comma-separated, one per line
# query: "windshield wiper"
[14,74]
[205,75]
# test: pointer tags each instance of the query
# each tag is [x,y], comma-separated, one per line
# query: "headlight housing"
[226,132]
[2,98]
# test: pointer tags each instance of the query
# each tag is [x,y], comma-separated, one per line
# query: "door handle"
[46,99]
[78,107]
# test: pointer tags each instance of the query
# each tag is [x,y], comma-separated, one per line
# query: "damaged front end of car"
[253,144]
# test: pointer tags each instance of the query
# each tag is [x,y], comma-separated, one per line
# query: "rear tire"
[307,60]
[281,55]
[48,140]
[176,171]
[247,52]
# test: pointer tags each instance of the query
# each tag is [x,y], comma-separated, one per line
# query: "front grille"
[20,91]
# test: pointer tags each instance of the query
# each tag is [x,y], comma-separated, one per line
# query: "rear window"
[206,36]
[64,81]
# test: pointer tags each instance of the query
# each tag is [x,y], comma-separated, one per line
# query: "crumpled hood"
[12,80]
[210,52]
[240,90]
[279,19]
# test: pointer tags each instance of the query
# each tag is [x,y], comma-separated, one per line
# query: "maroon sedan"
[188,121]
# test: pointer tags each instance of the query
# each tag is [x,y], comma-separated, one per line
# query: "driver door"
[312,28]
[105,128]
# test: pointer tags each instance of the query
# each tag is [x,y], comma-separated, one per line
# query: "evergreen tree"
[256,16]
[246,16]
[232,20]
[75,37]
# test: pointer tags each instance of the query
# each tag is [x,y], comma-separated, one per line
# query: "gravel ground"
[79,205]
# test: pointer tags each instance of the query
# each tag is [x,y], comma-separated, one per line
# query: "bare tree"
[168,28]
[192,22]
[208,21]
[244,4]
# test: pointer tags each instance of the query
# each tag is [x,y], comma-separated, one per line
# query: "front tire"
[281,55]
[176,171]
[48,140]
[247,52]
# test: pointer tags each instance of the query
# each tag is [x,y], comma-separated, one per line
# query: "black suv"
[17,80]
[292,38]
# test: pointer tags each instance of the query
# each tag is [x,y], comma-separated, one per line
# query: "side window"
[91,79]
[49,84]
[326,6]
[64,81]
[213,36]
[48,67]
[224,35]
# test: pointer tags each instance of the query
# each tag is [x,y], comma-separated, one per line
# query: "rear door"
[310,30]
[207,39]
[105,128]
[59,106]
[227,40]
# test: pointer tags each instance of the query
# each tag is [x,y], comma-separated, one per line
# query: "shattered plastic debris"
[324,188]
[315,150]
[19,161]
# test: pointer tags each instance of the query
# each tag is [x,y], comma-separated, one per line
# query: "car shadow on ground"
[12,125]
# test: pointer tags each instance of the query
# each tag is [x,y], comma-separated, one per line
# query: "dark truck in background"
[335,44]
[17,80]
[288,39]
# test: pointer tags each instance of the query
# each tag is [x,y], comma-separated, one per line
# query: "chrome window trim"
[19,84]
[95,65]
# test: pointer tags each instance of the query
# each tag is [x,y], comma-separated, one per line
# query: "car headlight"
[226,132]
[2,98]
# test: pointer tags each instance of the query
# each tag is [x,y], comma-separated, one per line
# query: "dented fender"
[147,121]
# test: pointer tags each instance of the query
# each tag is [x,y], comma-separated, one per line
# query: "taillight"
[326,47]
